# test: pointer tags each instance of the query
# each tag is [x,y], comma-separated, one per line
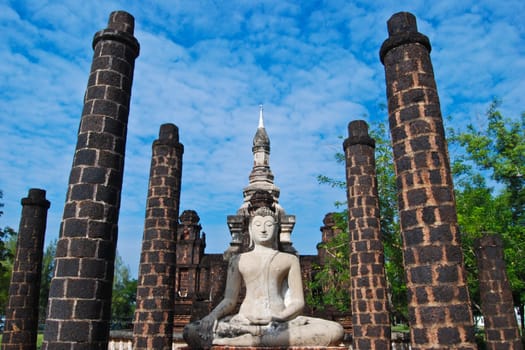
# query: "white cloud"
[205,66]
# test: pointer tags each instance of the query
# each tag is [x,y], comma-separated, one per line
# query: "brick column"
[21,324]
[439,304]
[80,292]
[501,327]
[370,316]
[153,325]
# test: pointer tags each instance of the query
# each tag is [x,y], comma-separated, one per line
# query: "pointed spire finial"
[261,119]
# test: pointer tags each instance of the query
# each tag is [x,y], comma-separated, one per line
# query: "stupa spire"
[260,179]
[261,117]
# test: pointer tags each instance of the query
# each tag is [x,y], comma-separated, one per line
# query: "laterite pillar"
[370,316]
[21,324]
[79,308]
[153,325]
[439,305]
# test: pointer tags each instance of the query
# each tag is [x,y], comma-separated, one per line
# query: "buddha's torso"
[265,278]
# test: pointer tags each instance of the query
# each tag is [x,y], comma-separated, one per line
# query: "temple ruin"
[179,282]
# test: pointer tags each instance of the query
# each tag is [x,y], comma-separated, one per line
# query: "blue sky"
[207,65]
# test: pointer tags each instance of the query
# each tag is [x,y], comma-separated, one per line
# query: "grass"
[400,328]
[39,340]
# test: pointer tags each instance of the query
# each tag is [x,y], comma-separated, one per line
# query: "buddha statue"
[270,314]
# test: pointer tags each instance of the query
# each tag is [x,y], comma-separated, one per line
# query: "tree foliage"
[123,299]
[48,268]
[338,260]
[496,151]
[330,285]
[124,286]
[7,254]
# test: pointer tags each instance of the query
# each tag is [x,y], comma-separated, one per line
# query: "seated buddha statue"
[270,314]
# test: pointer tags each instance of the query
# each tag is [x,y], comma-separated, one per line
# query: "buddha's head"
[264,224]
[264,228]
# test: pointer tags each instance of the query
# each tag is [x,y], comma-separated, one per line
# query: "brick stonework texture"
[153,325]
[439,305]
[79,308]
[22,308]
[329,230]
[501,326]
[370,316]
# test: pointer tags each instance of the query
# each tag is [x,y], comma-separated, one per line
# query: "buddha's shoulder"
[287,257]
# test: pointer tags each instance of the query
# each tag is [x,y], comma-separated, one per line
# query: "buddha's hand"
[279,318]
[260,319]
[208,323]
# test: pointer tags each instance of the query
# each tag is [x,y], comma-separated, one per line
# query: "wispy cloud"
[206,66]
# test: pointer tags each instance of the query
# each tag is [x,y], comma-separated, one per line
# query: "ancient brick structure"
[199,281]
[370,316]
[22,308]
[200,277]
[439,304]
[328,231]
[153,325]
[80,293]
[501,327]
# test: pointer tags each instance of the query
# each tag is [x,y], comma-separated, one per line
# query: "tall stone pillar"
[439,305]
[21,324]
[501,326]
[79,308]
[153,325]
[370,315]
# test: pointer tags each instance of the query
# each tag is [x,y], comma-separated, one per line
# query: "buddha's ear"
[250,227]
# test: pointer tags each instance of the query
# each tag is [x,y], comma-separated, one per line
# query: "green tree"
[496,149]
[389,231]
[331,282]
[48,267]
[7,254]
[123,299]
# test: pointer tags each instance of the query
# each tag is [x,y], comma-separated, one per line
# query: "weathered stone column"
[80,292]
[501,327]
[370,316]
[153,325]
[439,304]
[21,324]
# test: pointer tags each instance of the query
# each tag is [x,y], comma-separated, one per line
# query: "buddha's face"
[263,230]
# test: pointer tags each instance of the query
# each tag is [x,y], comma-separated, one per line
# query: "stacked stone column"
[370,316]
[79,308]
[21,324]
[153,326]
[501,326]
[439,305]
